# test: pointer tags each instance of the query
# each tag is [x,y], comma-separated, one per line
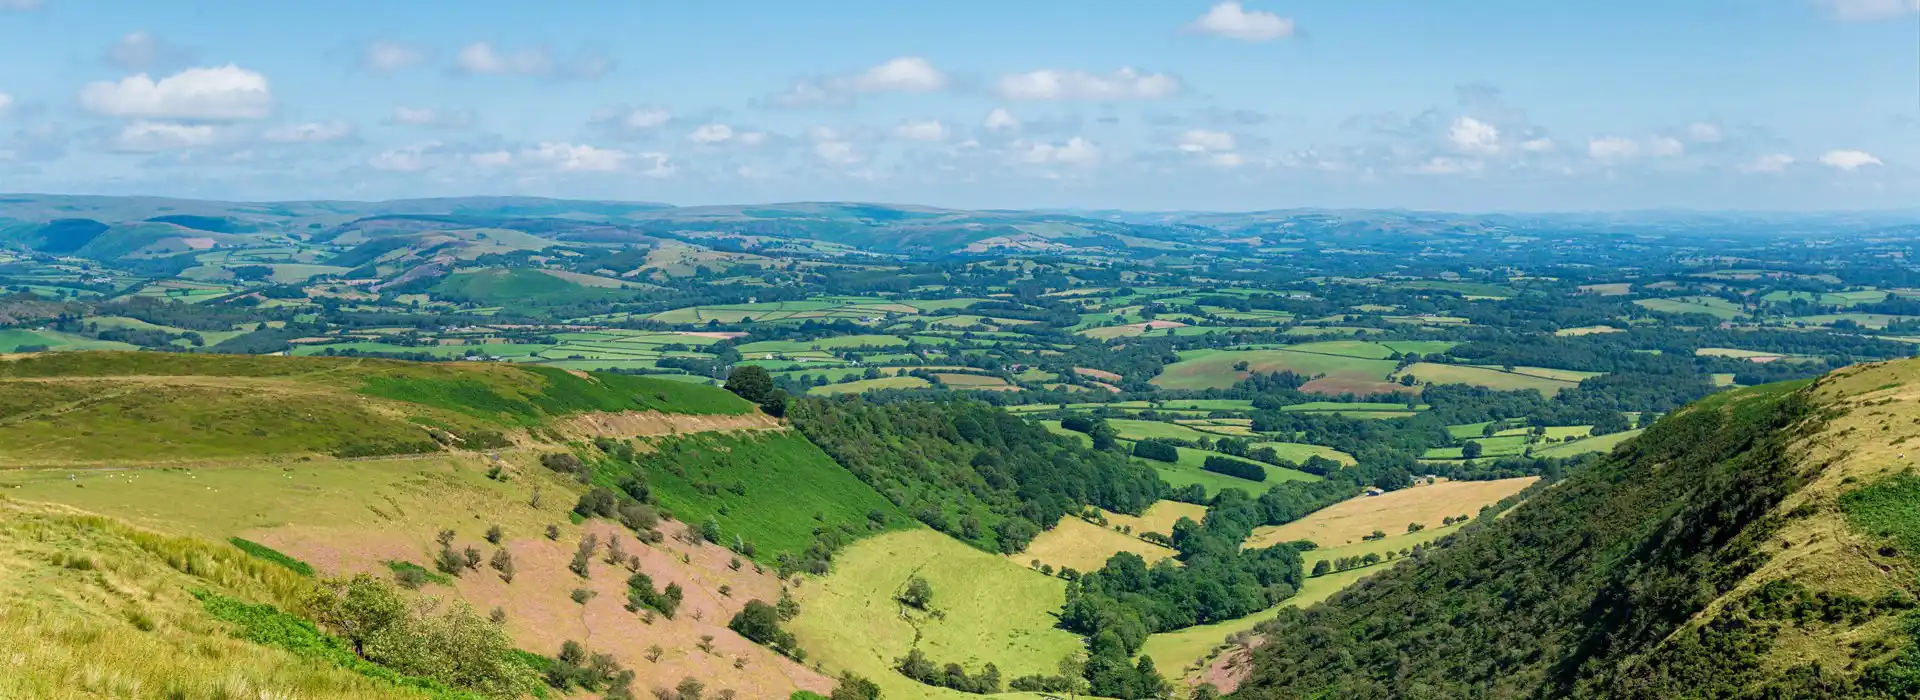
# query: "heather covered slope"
[1757,544]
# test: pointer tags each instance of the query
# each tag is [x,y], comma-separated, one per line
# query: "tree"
[503,563]
[1321,568]
[1471,450]
[853,687]
[689,688]
[494,534]
[751,382]
[919,593]
[760,623]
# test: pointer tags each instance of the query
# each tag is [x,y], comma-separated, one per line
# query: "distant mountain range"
[113,229]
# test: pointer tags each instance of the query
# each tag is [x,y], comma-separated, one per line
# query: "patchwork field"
[1346,522]
[1159,517]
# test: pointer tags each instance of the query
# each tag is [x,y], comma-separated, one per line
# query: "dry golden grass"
[1084,546]
[1160,517]
[1346,522]
[93,608]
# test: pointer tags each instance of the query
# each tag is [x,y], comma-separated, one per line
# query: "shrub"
[1235,468]
[1157,449]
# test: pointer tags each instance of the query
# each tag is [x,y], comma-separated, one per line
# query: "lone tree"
[919,593]
[751,382]
[1471,450]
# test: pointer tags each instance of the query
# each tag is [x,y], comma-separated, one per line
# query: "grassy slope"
[93,608]
[93,407]
[992,611]
[790,486]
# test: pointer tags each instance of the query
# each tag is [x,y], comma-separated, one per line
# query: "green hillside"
[1757,544]
[774,491]
[61,408]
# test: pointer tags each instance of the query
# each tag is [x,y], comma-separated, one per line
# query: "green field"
[1711,306]
[1212,369]
[991,610]
[1522,378]
[1189,471]
[855,387]
[1296,452]
[771,489]
[11,340]
[1603,443]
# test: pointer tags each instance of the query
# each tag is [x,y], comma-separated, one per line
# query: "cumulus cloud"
[1447,165]
[430,118]
[312,132]
[1123,84]
[492,159]
[6,104]
[711,134]
[1866,10]
[1619,148]
[837,152]
[1539,145]
[407,159]
[645,118]
[1702,132]
[1000,120]
[19,5]
[572,157]
[921,130]
[1848,160]
[903,74]
[142,51]
[481,58]
[153,137]
[1204,141]
[1469,135]
[1232,20]
[390,56]
[1771,163]
[1076,151]
[225,92]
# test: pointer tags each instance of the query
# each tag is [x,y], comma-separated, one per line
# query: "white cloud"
[750,138]
[1849,160]
[837,152]
[1447,165]
[6,104]
[904,74]
[1123,84]
[1538,145]
[646,118]
[409,159]
[1001,120]
[390,56]
[1204,141]
[481,58]
[1074,151]
[314,132]
[19,5]
[150,137]
[1469,135]
[921,130]
[1226,160]
[1864,10]
[1772,163]
[711,134]
[226,92]
[1664,147]
[492,159]
[1702,132]
[571,157]
[1233,21]
[430,117]
[1617,148]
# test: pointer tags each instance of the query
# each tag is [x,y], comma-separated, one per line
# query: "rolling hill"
[1757,544]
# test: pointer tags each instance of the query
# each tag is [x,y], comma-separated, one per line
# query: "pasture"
[1084,546]
[1547,382]
[1344,523]
[991,610]
[1711,306]
[1159,517]
[1344,369]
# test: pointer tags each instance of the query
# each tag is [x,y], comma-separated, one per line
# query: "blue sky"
[1144,104]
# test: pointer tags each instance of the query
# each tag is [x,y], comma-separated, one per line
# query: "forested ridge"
[1551,600]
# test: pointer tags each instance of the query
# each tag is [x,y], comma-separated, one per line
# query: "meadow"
[1347,522]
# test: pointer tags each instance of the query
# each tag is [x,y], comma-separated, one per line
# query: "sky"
[1460,105]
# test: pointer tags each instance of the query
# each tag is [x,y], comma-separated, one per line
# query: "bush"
[1235,468]
[1157,449]
[453,645]
[760,623]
